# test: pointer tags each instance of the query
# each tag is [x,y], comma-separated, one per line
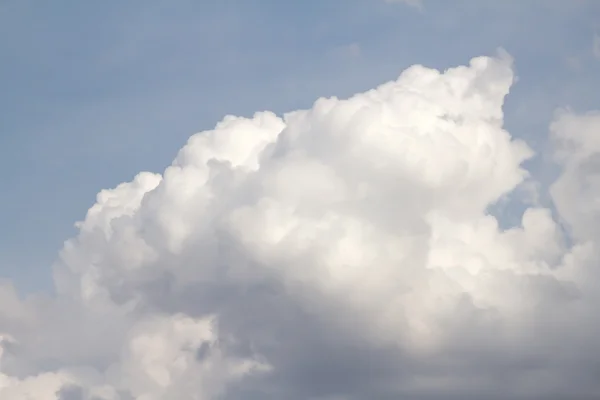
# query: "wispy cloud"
[418,4]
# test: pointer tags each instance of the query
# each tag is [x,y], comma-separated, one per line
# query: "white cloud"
[413,3]
[347,52]
[343,251]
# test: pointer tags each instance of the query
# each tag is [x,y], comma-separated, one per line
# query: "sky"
[423,226]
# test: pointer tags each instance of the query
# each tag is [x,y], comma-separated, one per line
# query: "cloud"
[340,252]
[413,3]
[596,46]
[347,52]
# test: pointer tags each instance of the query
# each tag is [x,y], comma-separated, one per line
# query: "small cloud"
[412,3]
[596,46]
[574,63]
[351,51]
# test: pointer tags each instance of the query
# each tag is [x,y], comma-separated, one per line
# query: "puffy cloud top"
[340,252]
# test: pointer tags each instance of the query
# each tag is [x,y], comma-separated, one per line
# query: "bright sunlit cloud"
[343,251]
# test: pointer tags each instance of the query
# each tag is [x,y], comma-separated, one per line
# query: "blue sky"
[94,92]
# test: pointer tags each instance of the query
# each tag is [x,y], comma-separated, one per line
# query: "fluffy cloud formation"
[341,252]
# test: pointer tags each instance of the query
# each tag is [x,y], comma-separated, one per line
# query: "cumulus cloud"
[346,251]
